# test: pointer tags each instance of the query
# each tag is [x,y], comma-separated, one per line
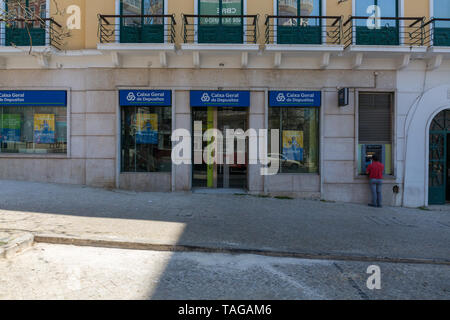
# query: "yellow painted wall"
[87,37]
[73,39]
[179,7]
[93,8]
[417,8]
[263,8]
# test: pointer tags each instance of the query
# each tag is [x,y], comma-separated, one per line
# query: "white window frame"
[47,23]
[2,25]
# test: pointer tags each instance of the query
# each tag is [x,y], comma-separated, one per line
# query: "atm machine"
[368,151]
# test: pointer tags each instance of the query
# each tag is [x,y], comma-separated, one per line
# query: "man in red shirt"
[375,171]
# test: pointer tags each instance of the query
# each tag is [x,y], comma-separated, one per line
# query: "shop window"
[33,130]
[146,139]
[299,138]
[375,130]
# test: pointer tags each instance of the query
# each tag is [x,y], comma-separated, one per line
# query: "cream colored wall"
[87,37]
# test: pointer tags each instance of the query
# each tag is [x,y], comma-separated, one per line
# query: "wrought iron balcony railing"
[220,29]
[386,31]
[303,30]
[31,32]
[159,28]
[437,32]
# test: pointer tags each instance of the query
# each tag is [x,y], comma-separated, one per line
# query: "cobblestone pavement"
[225,221]
[68,272]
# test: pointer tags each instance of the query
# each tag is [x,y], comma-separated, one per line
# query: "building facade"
[91,91]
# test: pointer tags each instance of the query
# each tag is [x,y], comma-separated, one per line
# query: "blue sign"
[295,98]
[161,98]
[220,98]
[54,98]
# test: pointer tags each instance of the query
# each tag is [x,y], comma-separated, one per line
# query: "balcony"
[224,29]
[437,32]
[387,31]
[21,32]
[303,30]
[132,29]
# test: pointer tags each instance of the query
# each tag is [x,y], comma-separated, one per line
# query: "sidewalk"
[230,222]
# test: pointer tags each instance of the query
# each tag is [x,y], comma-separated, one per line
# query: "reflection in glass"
[299,138]
[146,139]
[33,130]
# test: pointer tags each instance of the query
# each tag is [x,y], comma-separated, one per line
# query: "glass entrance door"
[221,174]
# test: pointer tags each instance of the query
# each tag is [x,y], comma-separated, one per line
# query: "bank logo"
[281,97]
[206,97]
[131,97]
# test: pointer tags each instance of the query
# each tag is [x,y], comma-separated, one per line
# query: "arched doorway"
[439,164]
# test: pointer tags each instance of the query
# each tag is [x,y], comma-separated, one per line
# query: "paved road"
[225,221]
[67,272]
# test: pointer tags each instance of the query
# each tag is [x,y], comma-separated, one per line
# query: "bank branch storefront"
[33,122]
[232,136]
[213,114]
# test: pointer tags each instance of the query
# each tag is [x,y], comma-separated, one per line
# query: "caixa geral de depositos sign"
[295,98]
[24,98]
[161,98]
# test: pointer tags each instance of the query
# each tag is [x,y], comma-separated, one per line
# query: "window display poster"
[10,127]
[293,145]
[147,128]
[44,128]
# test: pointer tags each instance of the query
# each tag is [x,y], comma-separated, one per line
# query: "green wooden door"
[220,30]
[441,37]
[299,35]
[386,36]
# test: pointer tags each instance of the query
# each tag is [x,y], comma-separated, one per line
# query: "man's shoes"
[372,205]
[380,206]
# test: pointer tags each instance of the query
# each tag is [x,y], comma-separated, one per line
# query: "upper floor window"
[299,30]
[299,8]
[388,8]
[21,33]
[142,8]
[220,29]
[441,27]
[30,9]
[441,9]
[141,21]
[385,31]
[221,8]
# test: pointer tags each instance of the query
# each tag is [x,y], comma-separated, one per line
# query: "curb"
[16,246]
[123,244]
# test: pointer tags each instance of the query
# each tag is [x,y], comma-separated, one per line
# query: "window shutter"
[375,118]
